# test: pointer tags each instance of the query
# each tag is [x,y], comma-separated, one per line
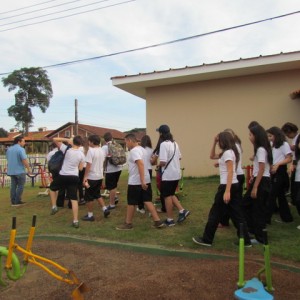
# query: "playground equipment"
[15,272]
[255,288]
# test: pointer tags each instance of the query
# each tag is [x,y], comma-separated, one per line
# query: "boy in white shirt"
[139,184]
[93,177]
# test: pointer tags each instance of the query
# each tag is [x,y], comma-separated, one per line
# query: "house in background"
[198,102]
[69,129]
[40,141]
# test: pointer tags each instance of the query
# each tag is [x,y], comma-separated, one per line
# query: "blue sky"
[125,26]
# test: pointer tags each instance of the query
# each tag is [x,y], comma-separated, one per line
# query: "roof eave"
[138,84]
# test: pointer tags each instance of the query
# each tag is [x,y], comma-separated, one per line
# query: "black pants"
[297,198]
[255,209]
[233,208]
[278,190]
[225,218]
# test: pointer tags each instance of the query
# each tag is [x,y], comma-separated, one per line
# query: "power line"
[62,17]
[53,13]
[164,43]
[25,7]
[37,10]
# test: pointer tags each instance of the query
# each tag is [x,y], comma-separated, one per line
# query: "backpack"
[116,154]
[56,161]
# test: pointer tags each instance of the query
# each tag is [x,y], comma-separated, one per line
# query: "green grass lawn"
[284,239]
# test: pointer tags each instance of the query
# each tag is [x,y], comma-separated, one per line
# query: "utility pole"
[76,117]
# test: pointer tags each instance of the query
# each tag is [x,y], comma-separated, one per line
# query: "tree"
[3,132]
[34,90]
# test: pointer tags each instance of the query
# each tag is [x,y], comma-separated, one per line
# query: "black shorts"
[168,188]
[135,194]
[69,183]
[111,180]
[94,191]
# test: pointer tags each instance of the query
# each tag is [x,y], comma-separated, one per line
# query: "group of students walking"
[268,187]
[141,158]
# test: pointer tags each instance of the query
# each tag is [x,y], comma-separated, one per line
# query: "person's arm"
[140,165]
[229,166]
[261,170]
[288,159]
[86,172]
[26,165]
[213,154]
[59,140]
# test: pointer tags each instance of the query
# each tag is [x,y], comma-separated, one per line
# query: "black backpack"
[56,161]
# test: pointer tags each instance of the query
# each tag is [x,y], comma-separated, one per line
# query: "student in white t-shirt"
[282,155]
[112,173]
[139,184]
[93,177]
[255,200]
[68,177]
[169,160]
[147,145]
[240,176]
[291,131]
[227,196]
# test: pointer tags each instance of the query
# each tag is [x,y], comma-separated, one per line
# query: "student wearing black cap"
[169,160]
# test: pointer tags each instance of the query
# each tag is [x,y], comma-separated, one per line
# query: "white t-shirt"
[72,160]
[228,155]
[149,152]
[95,157]
[166,151]
[280,153]
[110,167]
[137,153]
[261,157]
[51,153]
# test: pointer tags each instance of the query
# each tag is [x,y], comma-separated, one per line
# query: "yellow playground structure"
[14,271]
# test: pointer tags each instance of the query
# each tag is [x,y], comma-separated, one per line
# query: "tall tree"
[3,132]
[33,90]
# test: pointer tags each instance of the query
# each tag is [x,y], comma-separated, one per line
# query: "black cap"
[163,129]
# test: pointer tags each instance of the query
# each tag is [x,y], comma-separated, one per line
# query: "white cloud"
[129,26]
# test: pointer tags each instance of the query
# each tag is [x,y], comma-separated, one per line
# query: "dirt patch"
[116,273]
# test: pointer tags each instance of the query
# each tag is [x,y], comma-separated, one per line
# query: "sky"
[113,26]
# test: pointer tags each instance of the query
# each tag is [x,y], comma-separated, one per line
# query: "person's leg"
[61,195]
[214,216]
[21,179]
[13,187]
[284,210]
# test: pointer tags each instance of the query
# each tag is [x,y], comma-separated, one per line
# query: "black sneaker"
[87,218]
[106,213]
[200,241]
[169,223]
[109,207]
[81,202]
[182,216]
[159,224]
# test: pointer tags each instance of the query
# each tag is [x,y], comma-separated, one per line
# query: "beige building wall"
[197,111]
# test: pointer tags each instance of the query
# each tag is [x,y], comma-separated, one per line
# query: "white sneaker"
[298,227]
[142,211]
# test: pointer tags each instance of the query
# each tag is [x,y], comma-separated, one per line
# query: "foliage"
[33,90]
[3,132]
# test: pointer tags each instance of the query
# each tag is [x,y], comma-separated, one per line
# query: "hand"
[144,186]
[226,197]
[254,193]
[274,169]
[216,165]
